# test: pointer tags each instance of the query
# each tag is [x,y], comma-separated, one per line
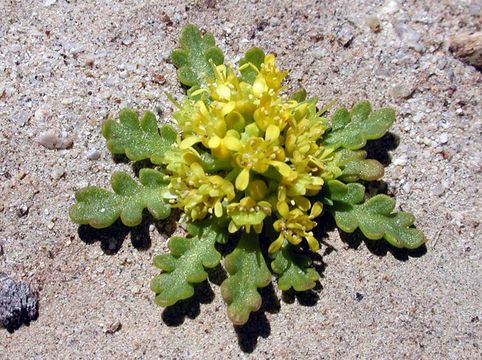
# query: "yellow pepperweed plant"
[250,165]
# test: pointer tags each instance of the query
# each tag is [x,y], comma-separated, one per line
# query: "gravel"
[53,139]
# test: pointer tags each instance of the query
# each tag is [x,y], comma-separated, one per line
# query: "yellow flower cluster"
[267,151]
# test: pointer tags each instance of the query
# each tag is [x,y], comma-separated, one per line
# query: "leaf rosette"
[248,165]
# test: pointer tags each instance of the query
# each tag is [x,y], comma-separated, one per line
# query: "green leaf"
[138,140]
[193,59]
[294,270]
[101,208]
[184,266]
[374,217]
[355,166]
[248,272]
[299,95]
[252,57]
[351,130]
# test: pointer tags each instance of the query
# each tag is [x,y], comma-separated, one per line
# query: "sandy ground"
[66,65]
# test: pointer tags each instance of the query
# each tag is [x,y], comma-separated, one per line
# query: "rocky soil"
[67,65]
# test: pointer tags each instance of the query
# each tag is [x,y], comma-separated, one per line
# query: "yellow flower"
[295,225]
[259,154]
[199,194]
[270,141]
[248,213]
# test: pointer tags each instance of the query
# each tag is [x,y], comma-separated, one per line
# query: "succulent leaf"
[100,208]
[355,166]
[299,95]
[186,263]
[253,57]
[248,271]
[138,139]
[352,129]
[374,217]
[193,59]
[294,270]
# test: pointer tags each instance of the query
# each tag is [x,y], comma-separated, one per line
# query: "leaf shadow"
[190,308]
[258,324]
[112,238]
[380,247]
[217,275]
[137,166]
[379,149]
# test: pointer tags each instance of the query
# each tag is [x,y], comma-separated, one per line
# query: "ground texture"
[67,65]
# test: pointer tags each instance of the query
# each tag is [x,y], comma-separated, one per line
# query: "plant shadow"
[112,237]
[258,324]
[381,247]
[379,149]
[176,314]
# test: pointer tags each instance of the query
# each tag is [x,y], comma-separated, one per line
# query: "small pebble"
[113,328]
[402,91]
[409,36]
[373,23]
[41,114]
[22,211]
[21,118]
[345,33]
[275,21]
[15,48]
[53,139]
[152,227]
[58,172]
[50,225]
[406,188]
[49,2]
[67,101]
[92,154]
[135,289]
[459,111]
[390,7]
[417,118]
[318,53]
[176,19]
[20,175]
[401,161]
[443,139]
[438,190]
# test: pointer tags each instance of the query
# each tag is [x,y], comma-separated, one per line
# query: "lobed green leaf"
[352,129]
[100,208]
[248,271]
[294,270]
[354,166]
[186,263]
[139,140]
[193,59]
[252,60]
[374,217]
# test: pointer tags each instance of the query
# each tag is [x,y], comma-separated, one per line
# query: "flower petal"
[242,180]
[272,133]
